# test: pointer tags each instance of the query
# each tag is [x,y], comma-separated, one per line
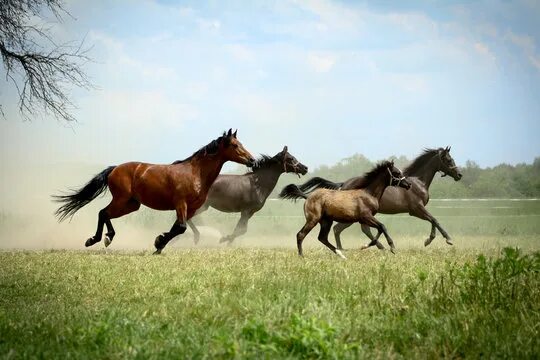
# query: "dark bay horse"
[395,200]
[247,193]
[324,206]
[181,186]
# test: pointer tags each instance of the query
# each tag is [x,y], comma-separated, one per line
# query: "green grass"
[258,299]
[269,304]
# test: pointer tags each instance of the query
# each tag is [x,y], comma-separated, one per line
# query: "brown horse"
[324,206]
[181,186]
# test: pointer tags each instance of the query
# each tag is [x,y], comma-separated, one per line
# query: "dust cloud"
[27,218]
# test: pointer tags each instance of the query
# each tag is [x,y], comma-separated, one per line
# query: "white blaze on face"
[340,254]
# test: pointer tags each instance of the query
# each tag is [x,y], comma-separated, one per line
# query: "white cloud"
[535,61]
[138,109]
[119,60]
[321,63]
[527,46]
[209,24]
[240,52]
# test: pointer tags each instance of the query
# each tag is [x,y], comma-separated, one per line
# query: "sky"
[327,78]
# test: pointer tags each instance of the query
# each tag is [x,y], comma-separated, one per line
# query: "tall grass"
[238,303]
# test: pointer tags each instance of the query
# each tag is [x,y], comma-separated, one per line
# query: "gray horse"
[247,193]
[396,200]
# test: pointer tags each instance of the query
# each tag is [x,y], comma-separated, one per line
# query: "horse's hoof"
[224,239]
[393,251]
[107,241]
[90,242]
[157,242]
[428,241]
[196,240]
[364,247]
[340,254]
[449,242]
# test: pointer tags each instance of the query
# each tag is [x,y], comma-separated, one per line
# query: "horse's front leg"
[241,227]
[179,227]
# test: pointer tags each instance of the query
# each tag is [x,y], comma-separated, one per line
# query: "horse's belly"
[393,201]
[347,212]
[157,201]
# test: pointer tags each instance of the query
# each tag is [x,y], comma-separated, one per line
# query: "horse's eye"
[235,146]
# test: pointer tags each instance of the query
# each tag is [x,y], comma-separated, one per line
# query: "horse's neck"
[209,168]
[377,186]
[267,179]
[427,172]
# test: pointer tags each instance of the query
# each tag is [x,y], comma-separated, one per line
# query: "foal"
[324,206]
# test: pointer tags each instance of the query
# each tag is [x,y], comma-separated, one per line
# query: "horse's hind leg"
[374,240]
[326,225]
[99,231]
[241,227]
[196,232]
[372,222]
[115,209]
[338,228]
[109,236]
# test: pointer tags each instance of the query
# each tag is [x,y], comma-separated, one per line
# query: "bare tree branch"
[43,69]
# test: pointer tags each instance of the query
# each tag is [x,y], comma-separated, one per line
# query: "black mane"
[420,161]
[369,177]
[210,149]
[264,162]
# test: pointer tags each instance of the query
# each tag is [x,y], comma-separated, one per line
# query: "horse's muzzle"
[250,162]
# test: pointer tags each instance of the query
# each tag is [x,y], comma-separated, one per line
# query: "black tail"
[292,192]
[319,182]
[78,198]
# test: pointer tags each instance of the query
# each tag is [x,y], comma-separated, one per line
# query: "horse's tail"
[317,183]
[78,198]
[292,192]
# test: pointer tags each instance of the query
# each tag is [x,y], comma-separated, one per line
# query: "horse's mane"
[420,161]
[210,149]
[265,161]
[369,177]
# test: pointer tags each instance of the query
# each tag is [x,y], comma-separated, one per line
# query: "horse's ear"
[230,132]
[285,149]
[234,134]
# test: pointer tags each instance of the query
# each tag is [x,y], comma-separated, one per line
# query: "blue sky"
[328,79]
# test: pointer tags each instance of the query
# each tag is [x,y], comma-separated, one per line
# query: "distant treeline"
[501,181]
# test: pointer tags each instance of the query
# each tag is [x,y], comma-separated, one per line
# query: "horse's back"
[342,205]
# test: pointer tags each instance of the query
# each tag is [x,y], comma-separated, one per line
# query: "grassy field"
[476,299]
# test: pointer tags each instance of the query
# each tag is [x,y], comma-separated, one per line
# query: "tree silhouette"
[40,69]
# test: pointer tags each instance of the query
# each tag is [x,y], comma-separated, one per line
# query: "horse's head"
[290,164]
[396,177]
[233,150]
[448,166]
